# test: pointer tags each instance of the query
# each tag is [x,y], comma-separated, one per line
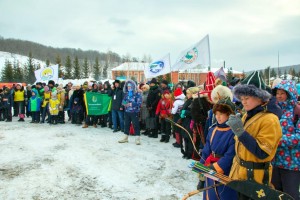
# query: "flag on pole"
[97,103]
[159,67]
[196,55]
[220,73]
[47,73]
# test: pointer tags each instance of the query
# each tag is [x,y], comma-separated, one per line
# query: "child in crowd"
[163,109]
[176,109]
[7,104]
[218,151]
[34,106]
[47,95]
[53,108]
[76,112]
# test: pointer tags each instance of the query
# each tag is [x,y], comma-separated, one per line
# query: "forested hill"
[45,53]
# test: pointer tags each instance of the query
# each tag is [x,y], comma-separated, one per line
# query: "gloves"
[182,114]
[236,124]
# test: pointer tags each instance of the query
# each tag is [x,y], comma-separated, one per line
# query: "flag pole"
[209,52]
[170,69]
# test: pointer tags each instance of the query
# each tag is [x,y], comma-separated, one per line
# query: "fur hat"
[256,79]
[165,82]
[224,106]
[153,81]
[193,90]
[251,90]
[51,82]
[117,81]
[221,92]
[177,92]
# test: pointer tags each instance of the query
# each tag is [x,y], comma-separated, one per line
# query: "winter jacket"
[177,104]
[132,101]
[34,104]
[144,110]
[264,129]
[288,151]
[164,108]
[220,141]
[54,106]
[117,97]
[7,100]
[153,97]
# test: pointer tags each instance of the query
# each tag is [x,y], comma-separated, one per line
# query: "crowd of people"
[240,128]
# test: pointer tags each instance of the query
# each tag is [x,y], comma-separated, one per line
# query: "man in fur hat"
[257,135]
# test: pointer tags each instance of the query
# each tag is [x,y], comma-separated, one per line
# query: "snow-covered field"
[42,161]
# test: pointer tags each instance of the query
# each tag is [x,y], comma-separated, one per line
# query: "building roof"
[140,66]
[131,66]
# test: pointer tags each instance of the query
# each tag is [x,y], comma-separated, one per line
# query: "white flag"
[47,73]
[159,67]
[198,54]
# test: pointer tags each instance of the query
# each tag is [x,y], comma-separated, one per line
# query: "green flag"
[96,103]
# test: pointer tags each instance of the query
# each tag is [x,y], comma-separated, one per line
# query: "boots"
[163,138]
[167,138]
[85,126]
[146,132]
[138,140]
[124,140]
[95,125]
[153,134]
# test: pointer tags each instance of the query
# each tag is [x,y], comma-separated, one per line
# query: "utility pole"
[278,65]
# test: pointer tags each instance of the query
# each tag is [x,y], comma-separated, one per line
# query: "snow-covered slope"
[17,58]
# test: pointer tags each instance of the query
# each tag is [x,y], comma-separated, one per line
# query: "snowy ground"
[42,161]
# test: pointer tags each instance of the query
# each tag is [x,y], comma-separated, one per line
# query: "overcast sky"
[246,34]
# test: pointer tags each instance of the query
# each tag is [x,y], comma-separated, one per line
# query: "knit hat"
[256,79]
[224,106]
[166,92]
[153,81]
[165,82]
[276,82]
[251,90]
[51,82]
[177,92]
[20,84]
[46,88]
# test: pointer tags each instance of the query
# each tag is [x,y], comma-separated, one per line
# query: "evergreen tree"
[293,73]
[47,62]
[285,75]
[30,78]
[105,70]
[229,74]
[18,73]
[7,72]
[273,73]
[76,73]
[96,69]
[85,68]
[68,68]
[58,62]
